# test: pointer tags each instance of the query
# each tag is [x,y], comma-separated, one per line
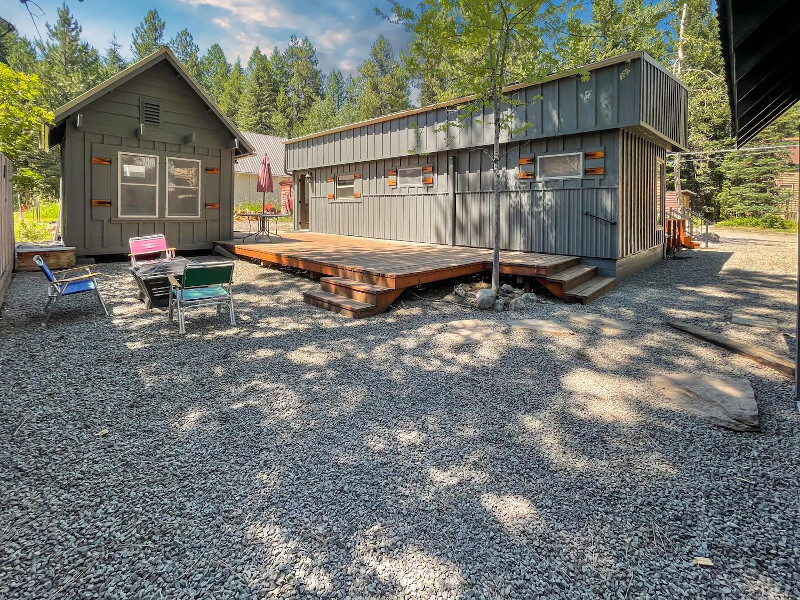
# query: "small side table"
[153,282]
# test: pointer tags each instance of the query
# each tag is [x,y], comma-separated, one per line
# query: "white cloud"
[264,13]
[224,23]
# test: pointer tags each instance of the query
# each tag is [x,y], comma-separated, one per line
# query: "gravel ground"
[304,455]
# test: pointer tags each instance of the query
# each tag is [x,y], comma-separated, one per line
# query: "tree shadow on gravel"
[300,454]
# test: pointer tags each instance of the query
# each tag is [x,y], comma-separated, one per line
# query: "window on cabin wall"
[138,185]
[345,187]
[560,166]
[183,187]
[409,176]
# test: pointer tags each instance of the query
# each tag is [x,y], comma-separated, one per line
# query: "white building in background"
[247,169]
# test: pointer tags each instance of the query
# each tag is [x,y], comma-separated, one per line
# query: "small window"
[560,166]
[183,187]
[138,185]
[151,113]
[409,176]
[345,187]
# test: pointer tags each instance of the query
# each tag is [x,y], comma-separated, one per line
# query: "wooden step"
[340,304]
[590,290]
[574,276]
[368,293]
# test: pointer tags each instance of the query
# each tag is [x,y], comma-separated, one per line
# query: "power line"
[740,150]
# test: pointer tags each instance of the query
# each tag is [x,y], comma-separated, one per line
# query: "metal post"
[797,300]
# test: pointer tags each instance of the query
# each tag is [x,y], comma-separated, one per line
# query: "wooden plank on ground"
[779,363]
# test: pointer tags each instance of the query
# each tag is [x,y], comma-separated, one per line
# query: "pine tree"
[232,91]
[257,102]
[301,84]
[68,64]
[385,82]
[113,62]
[187,51]
[214,71]
[148,36]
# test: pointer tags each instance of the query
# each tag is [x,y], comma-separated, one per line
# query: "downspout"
[451,180]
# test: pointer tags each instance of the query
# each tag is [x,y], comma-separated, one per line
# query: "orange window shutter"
[427,169]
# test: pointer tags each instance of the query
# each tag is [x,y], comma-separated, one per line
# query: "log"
[774,361]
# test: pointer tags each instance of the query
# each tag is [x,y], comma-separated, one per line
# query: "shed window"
[183,187]
[345,187]
[560,166]
[409,176]
[151,113]
[138,185]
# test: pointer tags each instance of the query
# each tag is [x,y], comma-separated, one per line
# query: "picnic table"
[263,219]
[152,279]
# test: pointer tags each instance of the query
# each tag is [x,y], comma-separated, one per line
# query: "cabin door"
[303,195]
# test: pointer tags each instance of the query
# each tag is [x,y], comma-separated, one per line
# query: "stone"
[523,302]
[499,305]
[481,285]
[461,290]
[743,318]
[507,289]
[542,326]
[485,299]
[723,401]
[455,298]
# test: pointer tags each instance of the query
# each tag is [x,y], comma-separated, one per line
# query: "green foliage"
[113,62]
[749,187]
[765,222]
[148,36]
[187,52]
[385,82]
[214,71]
[31,231]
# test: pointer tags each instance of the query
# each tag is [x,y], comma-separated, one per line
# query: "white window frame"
[351,197]
[199,188]
[418,183]
[539,157]
[120,184]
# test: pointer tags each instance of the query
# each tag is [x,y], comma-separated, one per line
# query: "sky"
[341,30]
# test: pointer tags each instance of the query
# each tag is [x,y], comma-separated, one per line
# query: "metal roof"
[762,61]
[263,144]
[74,105]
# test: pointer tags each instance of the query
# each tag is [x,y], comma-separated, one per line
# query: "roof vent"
[151,113]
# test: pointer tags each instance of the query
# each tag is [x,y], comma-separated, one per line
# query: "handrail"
[688,214]
[588,214]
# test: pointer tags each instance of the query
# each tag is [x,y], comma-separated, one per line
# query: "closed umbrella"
[264,180]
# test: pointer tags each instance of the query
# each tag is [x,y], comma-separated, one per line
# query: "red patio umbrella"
[264,180]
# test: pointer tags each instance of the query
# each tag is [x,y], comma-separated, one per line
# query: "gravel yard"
[304,455]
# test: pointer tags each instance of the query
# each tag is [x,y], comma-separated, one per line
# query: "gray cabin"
[586,178]
[146,152]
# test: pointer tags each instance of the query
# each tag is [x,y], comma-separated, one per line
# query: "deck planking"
[390,263]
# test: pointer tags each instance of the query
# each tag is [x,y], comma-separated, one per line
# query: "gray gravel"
[305,455]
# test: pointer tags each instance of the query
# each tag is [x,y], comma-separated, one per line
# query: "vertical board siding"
[6,225]
[534,217]
[638,199]
[664,104]
[608,98]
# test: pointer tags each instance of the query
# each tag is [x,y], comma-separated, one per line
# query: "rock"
[523,302]
[455,298]
[499,305]
[542,326]
[485,299]
[506,289]
[461,290]
[481,285]
[723,401]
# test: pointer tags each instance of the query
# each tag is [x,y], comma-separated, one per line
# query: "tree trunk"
[496,185]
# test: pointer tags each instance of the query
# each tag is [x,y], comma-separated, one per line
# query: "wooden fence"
[6,226]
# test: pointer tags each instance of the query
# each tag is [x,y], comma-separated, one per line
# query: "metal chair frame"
[149,245]
[59,285]
[178,301]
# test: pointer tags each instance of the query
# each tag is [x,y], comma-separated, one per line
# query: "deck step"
[574,276]
[340,304]
[368,293]
[590,290]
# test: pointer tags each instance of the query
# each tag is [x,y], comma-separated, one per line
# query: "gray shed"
[248,168]
[146,152]
[586,178]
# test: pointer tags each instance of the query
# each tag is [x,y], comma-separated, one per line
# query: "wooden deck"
[390,266]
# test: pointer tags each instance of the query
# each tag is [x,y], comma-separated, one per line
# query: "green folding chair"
[203,284]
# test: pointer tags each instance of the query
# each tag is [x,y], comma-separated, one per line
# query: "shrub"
[29,230]
[768,221]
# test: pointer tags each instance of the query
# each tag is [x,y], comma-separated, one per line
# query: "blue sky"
[341,30]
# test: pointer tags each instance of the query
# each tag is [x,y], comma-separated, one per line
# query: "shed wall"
[664,104]
[109,126]
[542,217]
[6,225]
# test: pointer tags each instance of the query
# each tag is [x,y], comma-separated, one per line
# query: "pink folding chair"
[149,249]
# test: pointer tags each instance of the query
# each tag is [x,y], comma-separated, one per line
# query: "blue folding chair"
[67,286]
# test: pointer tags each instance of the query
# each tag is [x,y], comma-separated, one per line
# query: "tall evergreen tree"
[301,84]
[214,71]
[67,63]
[187,51]
[385,82]
[257,102]
[148,35]
[232,91]
[113,62]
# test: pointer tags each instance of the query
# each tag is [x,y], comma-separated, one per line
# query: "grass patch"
[31,229]
[256,207]
[771,222]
